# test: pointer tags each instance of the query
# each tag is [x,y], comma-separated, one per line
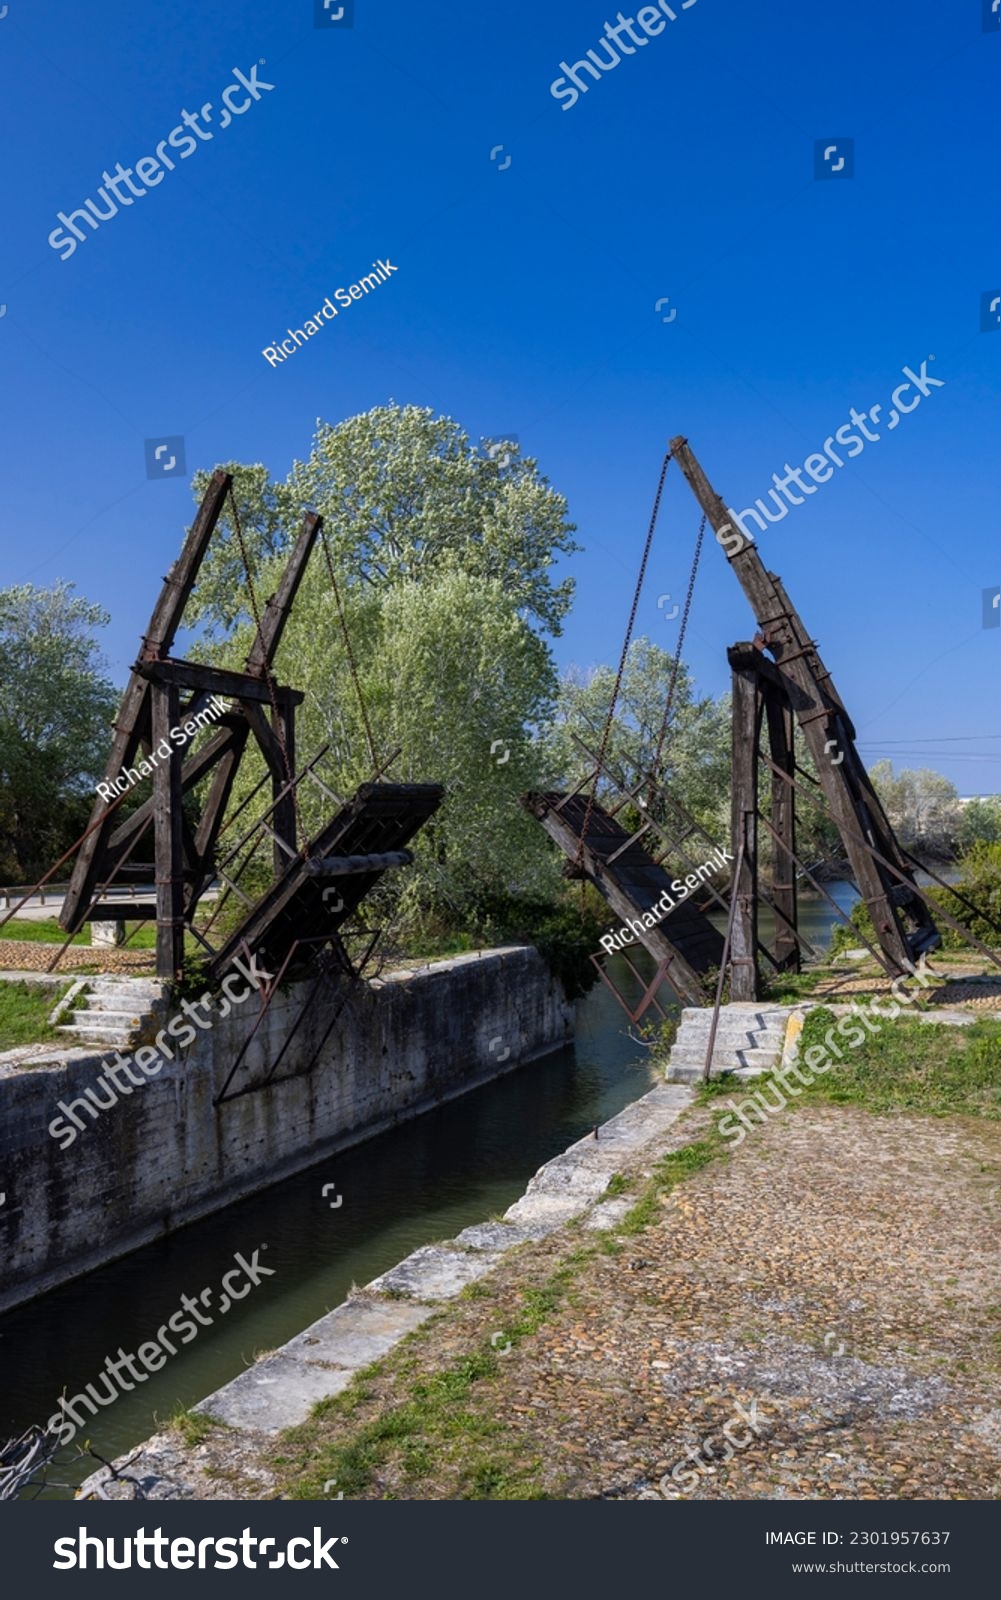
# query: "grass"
[919,1068]
[786,988]
[25,931]
[194,1427]
[442,1426]
[926,1068]
[434,1422]
[24,1012]
[671,1170]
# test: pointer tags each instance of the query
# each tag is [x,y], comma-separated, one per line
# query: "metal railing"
[56,891]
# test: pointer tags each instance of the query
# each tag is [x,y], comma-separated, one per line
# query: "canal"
[426,1180]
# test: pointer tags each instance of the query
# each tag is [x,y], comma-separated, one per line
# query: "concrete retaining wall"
[166,1154]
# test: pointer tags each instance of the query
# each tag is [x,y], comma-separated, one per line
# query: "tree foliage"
[695,764]
[923,806]
[56,707]
[979,823]
[404,495]
[442,558]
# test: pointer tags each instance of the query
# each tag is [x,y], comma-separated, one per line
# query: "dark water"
[424,1181]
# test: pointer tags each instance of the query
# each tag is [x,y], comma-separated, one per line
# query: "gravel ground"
[837,1277]
[35,957]
[827,1293]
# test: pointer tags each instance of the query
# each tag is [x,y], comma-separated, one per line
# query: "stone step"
[96,1035]
[102,1018]
[130,986]
[688,1041]
[730,1029]
[701,1021]
[726,1058]
[686,1073]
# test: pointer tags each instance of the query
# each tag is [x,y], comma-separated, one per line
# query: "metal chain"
[676,666]
[350,654]
[606,732]
[279,721]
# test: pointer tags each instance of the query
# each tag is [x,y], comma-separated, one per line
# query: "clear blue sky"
[525,299]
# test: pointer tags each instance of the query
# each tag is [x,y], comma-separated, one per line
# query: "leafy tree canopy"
[56,708]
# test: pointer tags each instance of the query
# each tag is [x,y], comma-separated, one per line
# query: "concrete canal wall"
[169,1151]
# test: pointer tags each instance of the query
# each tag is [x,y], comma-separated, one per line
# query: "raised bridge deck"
[685,941]
[324,884]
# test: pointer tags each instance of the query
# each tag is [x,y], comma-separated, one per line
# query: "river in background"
[425,1180]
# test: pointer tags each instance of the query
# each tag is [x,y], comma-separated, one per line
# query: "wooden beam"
[276,612]
[743,937]
[216,680]
[350,866]
[283,795]
[819,712]
[168,839]
[781,729]
[89,867]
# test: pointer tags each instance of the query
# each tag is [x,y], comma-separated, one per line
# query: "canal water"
[424,1181]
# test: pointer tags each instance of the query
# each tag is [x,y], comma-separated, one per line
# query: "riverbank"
[799,1317]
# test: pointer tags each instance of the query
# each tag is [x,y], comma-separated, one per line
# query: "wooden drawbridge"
[684,943]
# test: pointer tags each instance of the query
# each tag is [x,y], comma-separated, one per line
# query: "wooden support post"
[781,729]
[283,817]
[169,836]
[163,626]
[821,719]
[746,728]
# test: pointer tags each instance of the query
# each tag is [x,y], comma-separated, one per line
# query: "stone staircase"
[749,1041]
[117,1010]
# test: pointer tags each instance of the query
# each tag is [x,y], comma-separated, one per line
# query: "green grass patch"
[924,1067]
[194,1427]
[618,1184]
[786,988]
[441,1430]
[671,1170]
[24,1012]
[24,931]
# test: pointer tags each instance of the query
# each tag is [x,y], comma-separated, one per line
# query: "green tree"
[56,708]
[404,495]
[922,805]
[442,558]
[695,765]
[979,823]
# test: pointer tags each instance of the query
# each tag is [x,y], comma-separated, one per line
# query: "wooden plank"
[672,938]
[294,906]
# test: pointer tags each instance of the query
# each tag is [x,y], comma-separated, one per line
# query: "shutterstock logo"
[992,16]
[150,169]
[834,158]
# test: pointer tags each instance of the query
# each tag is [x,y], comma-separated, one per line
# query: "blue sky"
[525,299]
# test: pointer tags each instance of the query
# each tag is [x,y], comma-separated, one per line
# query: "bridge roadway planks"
[632,885]
[381,817]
